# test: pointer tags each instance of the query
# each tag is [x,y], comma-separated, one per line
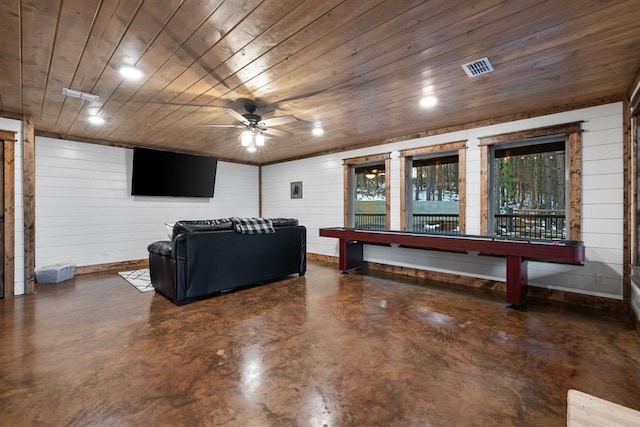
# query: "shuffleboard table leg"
[351,254]
[517,282]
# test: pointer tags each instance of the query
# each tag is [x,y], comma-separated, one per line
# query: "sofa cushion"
[253,225]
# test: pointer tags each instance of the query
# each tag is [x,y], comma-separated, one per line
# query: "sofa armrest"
[162,248]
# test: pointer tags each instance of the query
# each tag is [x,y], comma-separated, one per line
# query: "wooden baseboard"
[322,258]
[113,266]
[605,304]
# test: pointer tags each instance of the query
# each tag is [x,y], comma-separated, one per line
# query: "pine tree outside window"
[530,183]
[435,201]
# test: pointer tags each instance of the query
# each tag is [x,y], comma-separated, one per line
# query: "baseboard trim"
[113,266]
[589,301]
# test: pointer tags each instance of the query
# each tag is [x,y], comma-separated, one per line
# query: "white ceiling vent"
[478,67]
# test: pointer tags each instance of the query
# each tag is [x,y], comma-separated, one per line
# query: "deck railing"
[436,223]
[535,226]
[370,221]
[432,223]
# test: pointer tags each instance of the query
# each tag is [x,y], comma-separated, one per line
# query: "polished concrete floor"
[322,350]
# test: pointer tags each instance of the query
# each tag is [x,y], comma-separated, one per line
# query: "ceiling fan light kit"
[255,128]
[246,138]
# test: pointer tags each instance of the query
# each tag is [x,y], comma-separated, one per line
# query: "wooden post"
[9,212]
[29,202]
[484,191]
[462,190]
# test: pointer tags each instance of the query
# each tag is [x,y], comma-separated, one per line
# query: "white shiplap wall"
[85,214]
[16,126]
[602,210]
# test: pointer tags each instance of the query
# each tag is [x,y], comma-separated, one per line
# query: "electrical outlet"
[599,279]
[105,252]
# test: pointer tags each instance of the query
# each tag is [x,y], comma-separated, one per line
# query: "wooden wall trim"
[387,193]
[465,126]
[575,186]
[633,97]
[10,115]
[113,266]
[128,145]
[346,181]
[437,148]
[29,203]
[608,305]
[560,130]
[366,159]
[628,204]
[6,135]
[404,183]
[9,217]
[462,190]
[633,182]
[484,190]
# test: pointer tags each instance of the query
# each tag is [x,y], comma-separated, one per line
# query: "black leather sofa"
[210,256]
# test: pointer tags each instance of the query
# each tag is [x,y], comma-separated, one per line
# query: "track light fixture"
[80,95]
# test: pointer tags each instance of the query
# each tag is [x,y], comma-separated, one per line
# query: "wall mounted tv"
[165,173]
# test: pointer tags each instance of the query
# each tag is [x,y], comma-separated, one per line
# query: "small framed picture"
[296,190]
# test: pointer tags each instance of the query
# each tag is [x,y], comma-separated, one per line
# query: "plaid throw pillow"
[253,225]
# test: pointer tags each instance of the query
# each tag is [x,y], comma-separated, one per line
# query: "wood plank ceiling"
[357,68]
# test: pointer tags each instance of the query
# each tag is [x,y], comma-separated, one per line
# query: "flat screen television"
[165,173]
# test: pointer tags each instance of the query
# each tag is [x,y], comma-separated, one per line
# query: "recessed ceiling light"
[428,101]
[130,73]
[96,120]
[317,131]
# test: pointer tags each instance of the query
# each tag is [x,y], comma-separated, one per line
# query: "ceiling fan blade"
[276,132]
[222,126]
[236,116]
[277,121]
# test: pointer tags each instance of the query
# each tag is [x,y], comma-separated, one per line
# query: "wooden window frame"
[349,165]
[406,160]
[572,133]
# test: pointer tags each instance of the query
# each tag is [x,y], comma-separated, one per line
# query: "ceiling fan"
[254,127]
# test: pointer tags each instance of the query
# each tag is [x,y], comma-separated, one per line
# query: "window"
[531,183]
[434,188]
[528,191]
[367,192]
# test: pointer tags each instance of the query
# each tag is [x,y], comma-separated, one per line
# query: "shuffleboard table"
[517,251]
